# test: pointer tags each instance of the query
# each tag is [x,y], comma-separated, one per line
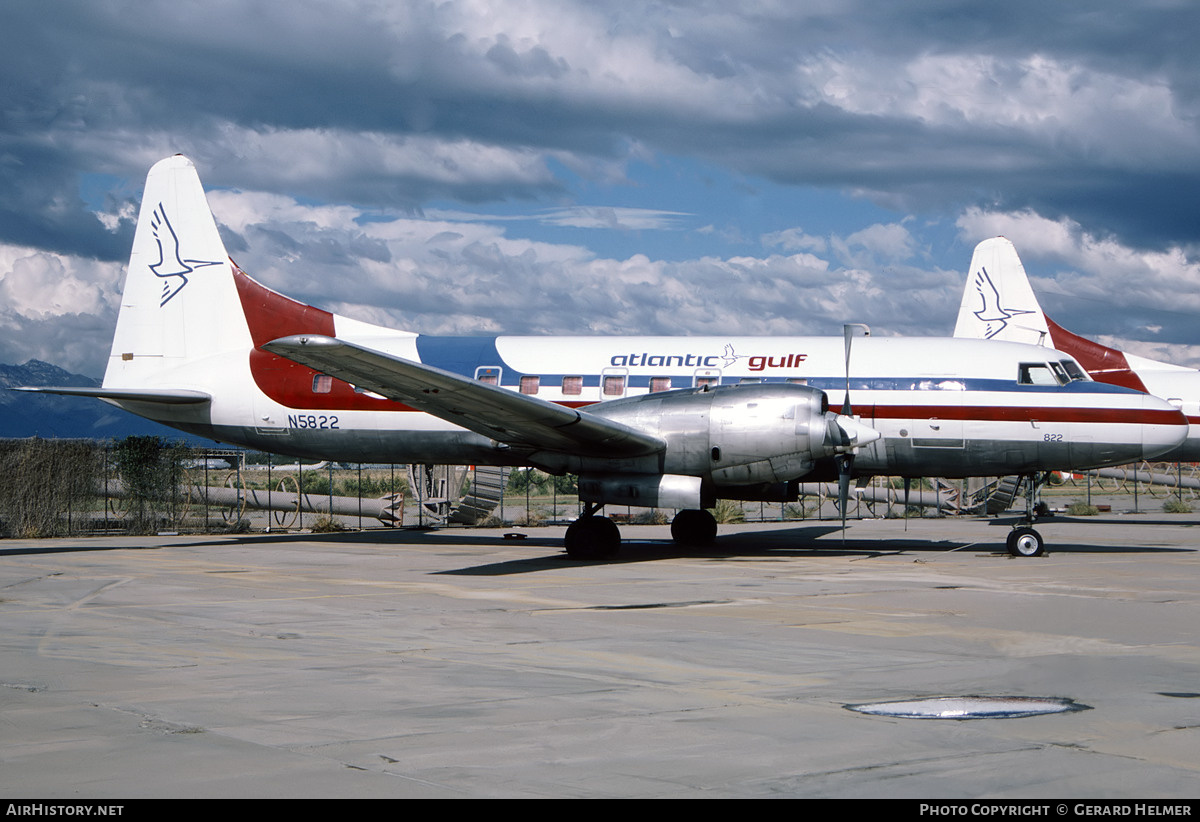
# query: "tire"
[694,527]
[592,538]
[1025,542]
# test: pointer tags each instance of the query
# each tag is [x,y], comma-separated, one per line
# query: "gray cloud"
[1058,108]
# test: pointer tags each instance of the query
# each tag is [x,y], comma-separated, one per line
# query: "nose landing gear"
[1024,540]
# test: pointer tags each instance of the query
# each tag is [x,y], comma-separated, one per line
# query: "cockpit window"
[1073,369]
[1060,373]
[1036,373]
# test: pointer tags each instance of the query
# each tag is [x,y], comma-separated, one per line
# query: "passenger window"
[488,374]
[572,386]
[614,386]
[530,385]
[660,384]
[322,384]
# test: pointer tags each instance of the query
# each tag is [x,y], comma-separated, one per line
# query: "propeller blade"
[848,333]
[845,462]
[853,434]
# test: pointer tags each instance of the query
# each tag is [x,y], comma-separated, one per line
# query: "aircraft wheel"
[591,538]
[1025,542]
[694,527]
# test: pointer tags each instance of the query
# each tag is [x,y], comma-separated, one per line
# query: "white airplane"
[998,304]
[650,421]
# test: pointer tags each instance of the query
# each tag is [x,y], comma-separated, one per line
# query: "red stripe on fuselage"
[1103,363]
[1004,413]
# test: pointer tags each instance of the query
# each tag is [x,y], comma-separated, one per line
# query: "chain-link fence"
[147,485]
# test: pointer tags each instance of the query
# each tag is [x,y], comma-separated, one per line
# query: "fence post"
[107,446]
[1135,489]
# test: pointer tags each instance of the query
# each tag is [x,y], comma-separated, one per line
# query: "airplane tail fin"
[180,302]
[998,302]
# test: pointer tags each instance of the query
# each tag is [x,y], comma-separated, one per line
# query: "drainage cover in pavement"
[970,707]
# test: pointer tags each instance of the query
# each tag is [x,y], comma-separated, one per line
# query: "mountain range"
[54,417]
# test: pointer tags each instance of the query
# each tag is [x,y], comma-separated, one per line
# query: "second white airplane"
[648,421]
[999,304]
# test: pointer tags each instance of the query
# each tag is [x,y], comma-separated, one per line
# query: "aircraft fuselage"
[944,407]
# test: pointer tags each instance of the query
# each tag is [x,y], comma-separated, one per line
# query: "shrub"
[326,524]
[727,511]
[151,470]
[529,518]
[44,482]
[654,516]
[795,510]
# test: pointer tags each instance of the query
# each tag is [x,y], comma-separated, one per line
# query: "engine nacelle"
[676,491]
[646,490]
[737,434]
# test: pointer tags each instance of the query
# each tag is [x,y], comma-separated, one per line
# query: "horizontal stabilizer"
[515,419]
[176,396]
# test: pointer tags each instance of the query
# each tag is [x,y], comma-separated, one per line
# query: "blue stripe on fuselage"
[463,355]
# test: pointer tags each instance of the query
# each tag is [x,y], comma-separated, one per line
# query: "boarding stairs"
[486,491]
[996,496]
[436,489]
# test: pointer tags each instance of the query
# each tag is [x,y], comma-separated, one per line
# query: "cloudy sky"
[612,167]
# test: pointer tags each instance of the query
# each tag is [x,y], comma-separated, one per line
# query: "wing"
[515,419]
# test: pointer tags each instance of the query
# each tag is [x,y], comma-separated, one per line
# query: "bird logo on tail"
[171,267]
[994,316]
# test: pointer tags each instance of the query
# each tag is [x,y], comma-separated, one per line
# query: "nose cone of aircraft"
[1164,427]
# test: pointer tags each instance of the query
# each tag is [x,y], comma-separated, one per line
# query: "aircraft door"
[943,426]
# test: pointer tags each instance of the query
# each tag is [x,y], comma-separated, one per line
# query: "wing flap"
[517,420]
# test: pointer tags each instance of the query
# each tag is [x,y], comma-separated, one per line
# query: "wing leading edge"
[517,420]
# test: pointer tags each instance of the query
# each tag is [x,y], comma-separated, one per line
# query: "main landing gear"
[591,537]
[1023,540]
[694,527]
